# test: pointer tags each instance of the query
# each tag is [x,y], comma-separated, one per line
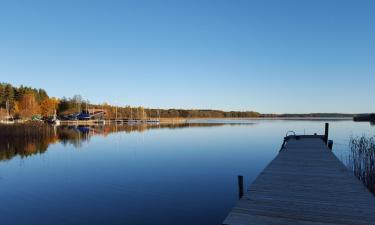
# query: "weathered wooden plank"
[305,184]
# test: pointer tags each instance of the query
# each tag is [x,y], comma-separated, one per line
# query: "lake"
[158,174]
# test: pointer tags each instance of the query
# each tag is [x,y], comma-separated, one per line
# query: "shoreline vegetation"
[27,103]
[362,160]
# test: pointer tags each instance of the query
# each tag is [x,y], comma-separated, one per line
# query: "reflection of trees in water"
[362,160]
[25,140]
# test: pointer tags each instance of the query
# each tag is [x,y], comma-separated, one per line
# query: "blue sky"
[270,56]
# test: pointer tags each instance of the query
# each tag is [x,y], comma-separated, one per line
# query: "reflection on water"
[176,174]
[26,140]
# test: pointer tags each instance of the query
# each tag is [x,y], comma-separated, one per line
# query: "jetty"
[306,184]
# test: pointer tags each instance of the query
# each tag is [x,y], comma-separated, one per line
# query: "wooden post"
[330,144]
[326,133]
[240,187]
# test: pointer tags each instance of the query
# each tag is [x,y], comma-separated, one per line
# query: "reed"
[362,160]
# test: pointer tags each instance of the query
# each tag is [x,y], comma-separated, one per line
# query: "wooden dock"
[307,185]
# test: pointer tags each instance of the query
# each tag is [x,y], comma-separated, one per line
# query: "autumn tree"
[48,106]
[3,114]
[28,106]
[140,113]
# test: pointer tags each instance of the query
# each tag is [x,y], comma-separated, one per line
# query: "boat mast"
[54,116]
[7,109]
[102,112]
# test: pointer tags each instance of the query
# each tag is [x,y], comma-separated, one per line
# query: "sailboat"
[155,120]
[54,120]
[8,118]
[102,119]
[131,120]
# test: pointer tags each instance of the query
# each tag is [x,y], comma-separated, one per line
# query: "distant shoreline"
[27,103]
[276,118]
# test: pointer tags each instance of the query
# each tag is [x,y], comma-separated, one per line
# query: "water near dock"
[143,174]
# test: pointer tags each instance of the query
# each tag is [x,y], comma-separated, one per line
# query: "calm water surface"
[136,175]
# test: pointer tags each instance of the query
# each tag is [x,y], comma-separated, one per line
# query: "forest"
[26,102]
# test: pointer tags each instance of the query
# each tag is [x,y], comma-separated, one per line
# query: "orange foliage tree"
[48,106]
[28,106]
[3,114]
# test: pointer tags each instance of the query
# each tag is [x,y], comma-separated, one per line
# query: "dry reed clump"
[362,160]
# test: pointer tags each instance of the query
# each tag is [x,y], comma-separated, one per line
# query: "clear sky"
[270,56]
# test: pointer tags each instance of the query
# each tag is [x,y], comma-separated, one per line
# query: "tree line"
[26,102]
[75,104]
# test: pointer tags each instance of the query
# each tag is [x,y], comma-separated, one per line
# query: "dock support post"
[240,187]
[326,133]
[330,144]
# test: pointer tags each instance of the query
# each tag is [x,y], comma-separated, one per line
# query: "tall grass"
[362,160]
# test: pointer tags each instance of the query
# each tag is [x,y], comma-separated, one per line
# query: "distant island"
[30,103]
[309,115]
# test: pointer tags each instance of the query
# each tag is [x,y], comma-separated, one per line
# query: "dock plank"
[305,184]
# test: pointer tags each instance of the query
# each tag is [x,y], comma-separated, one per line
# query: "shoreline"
[187,120]
[98,122]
